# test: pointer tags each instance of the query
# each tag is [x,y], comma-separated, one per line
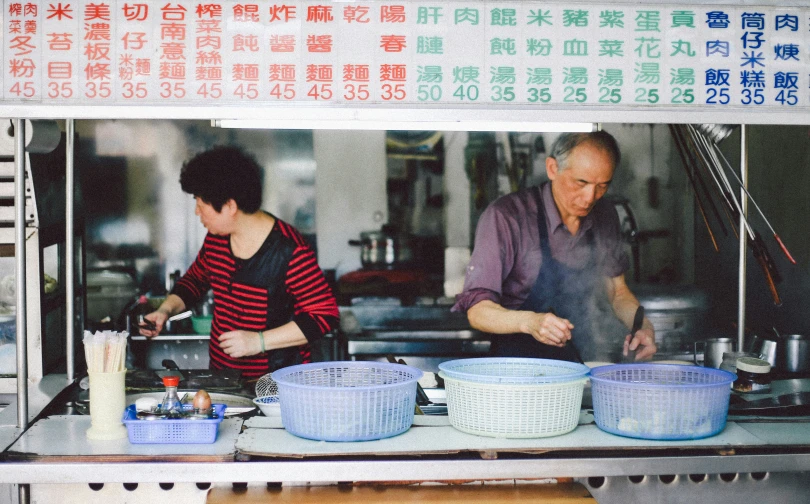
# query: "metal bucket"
[795,353]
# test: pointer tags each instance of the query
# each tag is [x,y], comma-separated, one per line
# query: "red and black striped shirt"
[282,282]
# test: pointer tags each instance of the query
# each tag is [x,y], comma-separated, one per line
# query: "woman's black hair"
[224,173]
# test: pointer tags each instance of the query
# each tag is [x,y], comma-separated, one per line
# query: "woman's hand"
[155,322]
[547,328]
[240,343]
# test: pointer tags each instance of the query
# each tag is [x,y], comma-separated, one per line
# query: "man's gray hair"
[567,142]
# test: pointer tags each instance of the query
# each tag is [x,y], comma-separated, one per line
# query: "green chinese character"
[648,47]
[578,18]
[503,17]
[611,19]
[428,15]
[539,76]
[429,45]
[429,73]
[466,16]
[575,47]
[647,73]
[682,76]
[502,75]
[648,21]
[465,75]
[539,17]
[611,77]
[499,46]
[538,47]
[575,75]
[683,18]
[682,47]
[611,48]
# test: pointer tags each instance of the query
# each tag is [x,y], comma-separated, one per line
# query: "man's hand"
[547,328]
[240,343]
[643,342]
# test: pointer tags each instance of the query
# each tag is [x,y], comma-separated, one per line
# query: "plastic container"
[270,406]
[107,399]
[657,401]
[202,323]
[347,401]
[513,397]
[164,431]
[753,375]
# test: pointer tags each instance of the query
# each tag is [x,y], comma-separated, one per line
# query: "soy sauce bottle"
[171,406]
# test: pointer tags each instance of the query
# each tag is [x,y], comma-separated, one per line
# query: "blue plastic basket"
[167,431]
[658,401]
[347,401]
[513,370]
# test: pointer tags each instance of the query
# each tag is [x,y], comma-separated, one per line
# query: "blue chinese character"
[720,47]
[787,21]
[717,76]
[786,80]
[752,59]
[787,52]
[753,20]
[752,40]
[717,19]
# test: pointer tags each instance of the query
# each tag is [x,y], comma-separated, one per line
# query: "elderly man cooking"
[547,270]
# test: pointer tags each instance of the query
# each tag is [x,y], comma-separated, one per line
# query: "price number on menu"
[210,90]
[172,90]
[787,97]
[610,95]
[353,92]
[283,91]
[246,91]
[23,90]
[717,96]
[427,92]
[394,92]
[683,95]
[572,94]
[466,92]
[503,93]
[94,90]
[752,96]
[133,90]
[647,95]
[320,92]
[542,95]
[60,89]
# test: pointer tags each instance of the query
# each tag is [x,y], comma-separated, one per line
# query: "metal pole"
[743,239]
[19,253]
[70,297]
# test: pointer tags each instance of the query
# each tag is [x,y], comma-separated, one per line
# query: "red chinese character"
[319,14]
[208,58]
[356,14]
[15,9]
[319,73]
[209,73]
[392,13]
[60,69]
[97,11]
[21,68]
[282,43]
[392,73]
[21,44]
[172,51]
[392,43]
[319,43]
[126,73]
[15,26]
[356,73]
[248,13]
[242,43]
[60,41]
[31,26]
[172,71]
[245,72]
[59,11]
[97,31]
[279,11]
[135,12]
[143,66]
[97,71]
[30,10]
[172,31]
[126,60]
[176,13]
[134,40]
[212,10]
[97,52]
[209,26]
[285,73]
[214,42]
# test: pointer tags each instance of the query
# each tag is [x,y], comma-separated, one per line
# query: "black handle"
[169,364]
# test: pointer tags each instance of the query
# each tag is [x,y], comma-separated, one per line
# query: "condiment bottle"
[753,375]
[171,403]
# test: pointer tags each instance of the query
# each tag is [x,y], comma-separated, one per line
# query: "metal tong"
[421,397]
[637,321]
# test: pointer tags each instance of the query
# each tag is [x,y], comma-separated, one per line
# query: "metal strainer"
[266,386]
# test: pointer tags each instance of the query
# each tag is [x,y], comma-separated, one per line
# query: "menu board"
[470,53]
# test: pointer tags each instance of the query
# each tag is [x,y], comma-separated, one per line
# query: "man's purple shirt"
[506,258]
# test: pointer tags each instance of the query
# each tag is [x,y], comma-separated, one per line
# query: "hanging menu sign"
[155,52]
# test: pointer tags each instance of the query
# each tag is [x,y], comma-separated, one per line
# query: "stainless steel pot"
[713,351]
[379,249]
[794,354]
[766,348]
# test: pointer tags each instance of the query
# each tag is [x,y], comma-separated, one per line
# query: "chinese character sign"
[502,53]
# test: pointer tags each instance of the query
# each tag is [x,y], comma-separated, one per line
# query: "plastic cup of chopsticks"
[107,405]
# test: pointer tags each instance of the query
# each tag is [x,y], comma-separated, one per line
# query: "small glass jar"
[753,375]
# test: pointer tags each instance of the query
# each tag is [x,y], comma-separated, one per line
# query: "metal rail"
[19,253]
[743,239]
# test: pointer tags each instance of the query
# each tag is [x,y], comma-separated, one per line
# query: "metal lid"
[753,365]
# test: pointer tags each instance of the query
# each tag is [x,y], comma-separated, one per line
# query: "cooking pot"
[381,249]
[794,353]
[714,350]
[767,348]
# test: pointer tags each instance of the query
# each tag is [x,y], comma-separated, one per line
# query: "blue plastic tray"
[172,431]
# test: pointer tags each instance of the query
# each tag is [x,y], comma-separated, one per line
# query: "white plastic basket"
[347,401]
[506,409]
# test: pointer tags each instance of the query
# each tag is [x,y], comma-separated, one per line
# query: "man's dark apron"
[571,294]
